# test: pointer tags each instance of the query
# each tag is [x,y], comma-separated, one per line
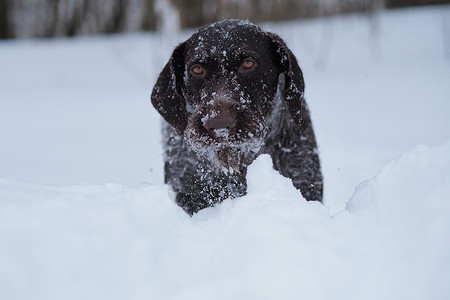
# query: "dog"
[229,93]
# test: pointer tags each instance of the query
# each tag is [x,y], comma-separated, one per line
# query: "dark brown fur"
[229,93]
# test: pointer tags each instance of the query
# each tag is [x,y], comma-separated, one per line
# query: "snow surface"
[84,213]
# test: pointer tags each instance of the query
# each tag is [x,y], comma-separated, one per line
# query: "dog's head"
[218,88]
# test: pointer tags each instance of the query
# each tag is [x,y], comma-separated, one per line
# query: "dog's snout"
[220,119]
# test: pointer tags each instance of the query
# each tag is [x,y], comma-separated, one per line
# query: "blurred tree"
[191,12]
[195,13]
[49,18]
[405,3]
[4,20]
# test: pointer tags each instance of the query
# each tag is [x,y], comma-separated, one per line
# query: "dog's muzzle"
[225,132]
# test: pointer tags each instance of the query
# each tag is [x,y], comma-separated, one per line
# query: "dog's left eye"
[248,64]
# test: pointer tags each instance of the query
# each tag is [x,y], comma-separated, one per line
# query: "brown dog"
[229,93]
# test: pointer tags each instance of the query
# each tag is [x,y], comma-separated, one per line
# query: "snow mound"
[402,220]
[116,242]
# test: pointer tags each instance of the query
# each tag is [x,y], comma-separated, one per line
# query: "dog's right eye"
[247,66]
[198,71]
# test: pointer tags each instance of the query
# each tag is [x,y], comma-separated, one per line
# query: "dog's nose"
[220,120]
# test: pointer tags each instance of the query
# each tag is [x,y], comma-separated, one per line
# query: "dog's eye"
[247,65]
[198,71]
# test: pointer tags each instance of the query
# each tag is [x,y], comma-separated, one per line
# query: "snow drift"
[116,242]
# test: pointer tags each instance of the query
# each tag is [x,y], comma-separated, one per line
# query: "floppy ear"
[294,86]
[167,96]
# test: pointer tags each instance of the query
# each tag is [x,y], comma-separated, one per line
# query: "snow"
[84,213]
